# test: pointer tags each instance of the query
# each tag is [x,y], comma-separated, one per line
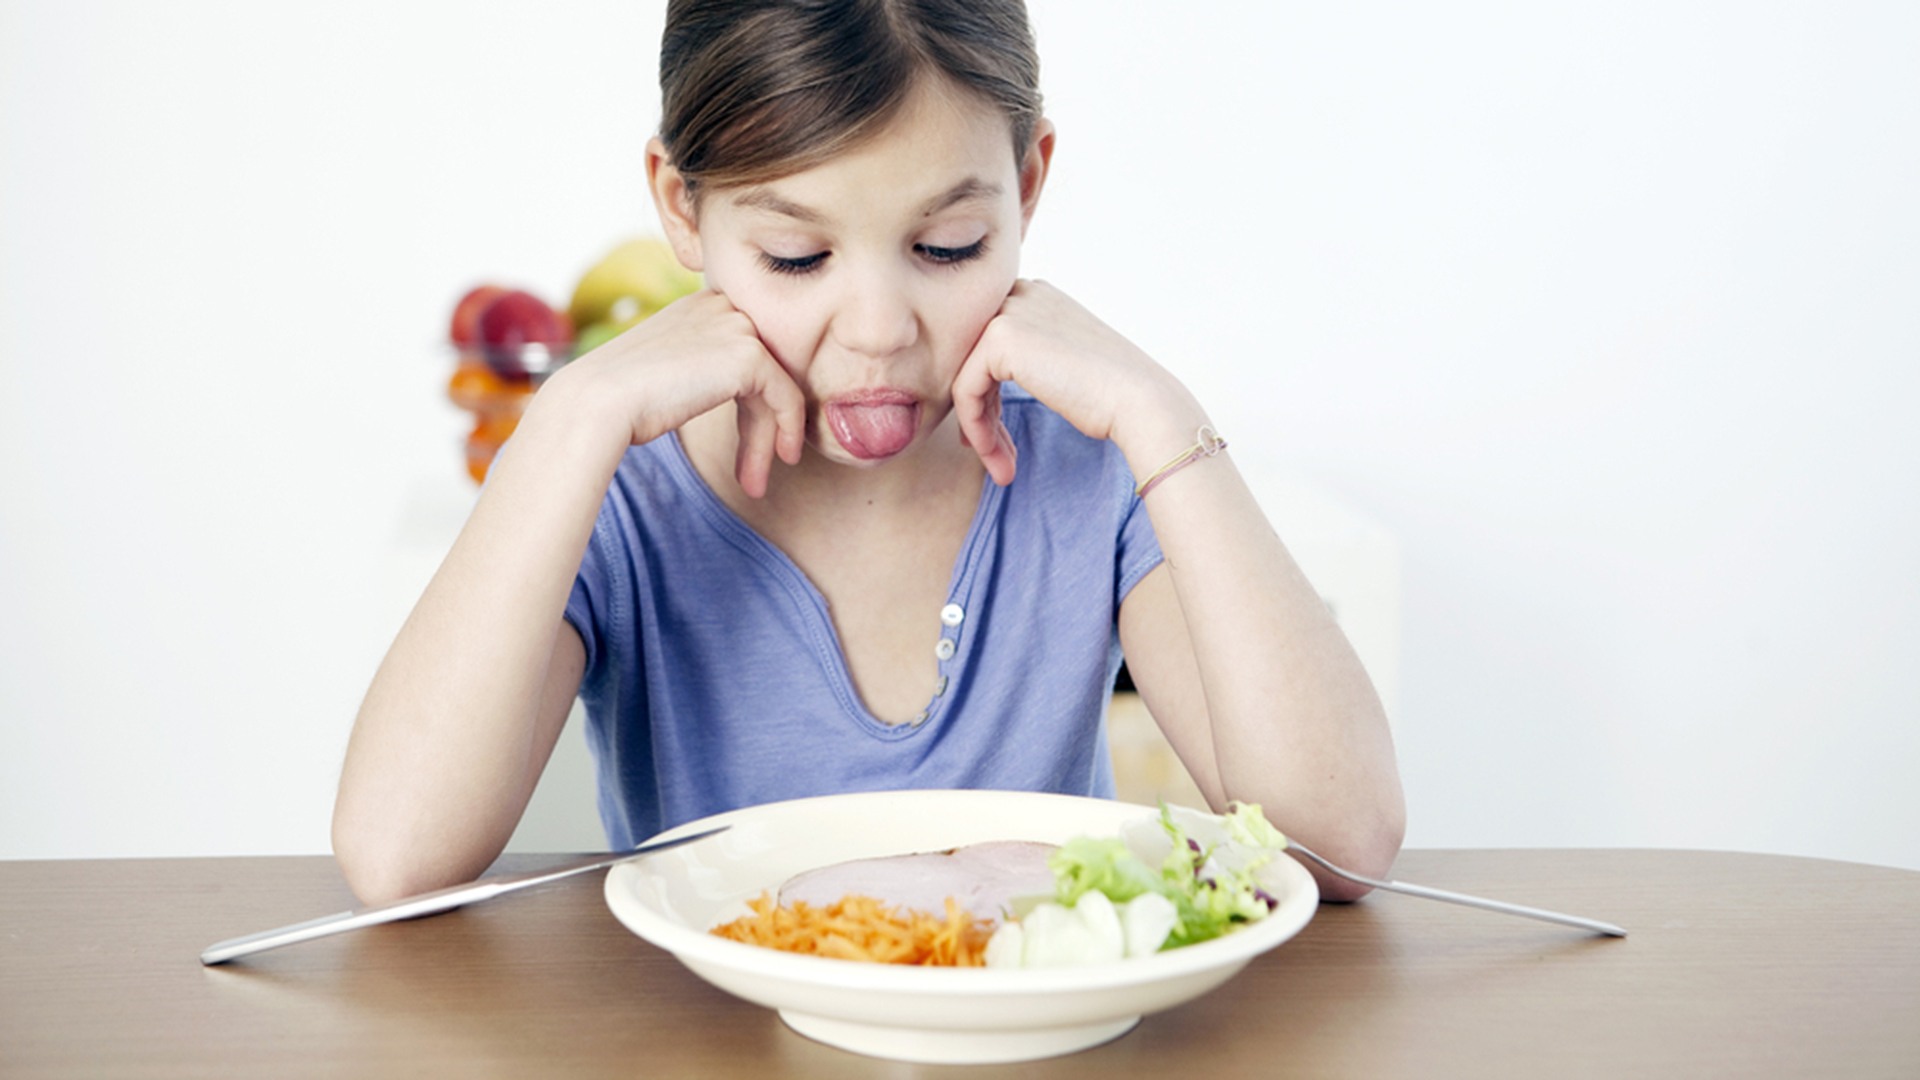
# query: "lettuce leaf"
[1088,864]
[1212,888]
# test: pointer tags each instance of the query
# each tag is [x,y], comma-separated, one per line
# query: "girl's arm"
[1255,686]
[1233,651]
[465,709]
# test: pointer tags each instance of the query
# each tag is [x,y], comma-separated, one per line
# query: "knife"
[425,904]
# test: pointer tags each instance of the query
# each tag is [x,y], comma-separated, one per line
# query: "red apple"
[466,314]
[515,322]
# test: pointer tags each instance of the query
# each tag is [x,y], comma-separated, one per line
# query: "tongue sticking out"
[872,431]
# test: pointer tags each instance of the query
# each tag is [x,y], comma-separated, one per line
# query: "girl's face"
[870,277]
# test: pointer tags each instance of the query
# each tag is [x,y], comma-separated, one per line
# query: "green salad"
[1153,889]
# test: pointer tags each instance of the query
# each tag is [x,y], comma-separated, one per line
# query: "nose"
[875,316]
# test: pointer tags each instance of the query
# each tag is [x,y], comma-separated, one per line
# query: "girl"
[867,512]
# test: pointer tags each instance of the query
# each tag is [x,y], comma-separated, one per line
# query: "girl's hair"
[753,90]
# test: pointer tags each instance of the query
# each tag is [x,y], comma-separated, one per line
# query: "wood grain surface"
[1737,965]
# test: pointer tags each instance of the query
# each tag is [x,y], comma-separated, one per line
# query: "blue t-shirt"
[715,680]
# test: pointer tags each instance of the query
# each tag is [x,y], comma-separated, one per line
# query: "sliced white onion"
[1147,920]
[1007,947]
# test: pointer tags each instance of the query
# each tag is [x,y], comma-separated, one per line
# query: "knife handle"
[427,903]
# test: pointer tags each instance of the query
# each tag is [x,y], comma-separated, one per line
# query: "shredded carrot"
[861,928]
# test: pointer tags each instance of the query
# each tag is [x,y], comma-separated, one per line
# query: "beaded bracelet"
[1209,444]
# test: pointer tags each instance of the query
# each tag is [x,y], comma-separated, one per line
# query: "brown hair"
[752,90]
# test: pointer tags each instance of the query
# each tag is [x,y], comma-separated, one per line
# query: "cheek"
[781,324]
[966,313]
[970,300]
[784,334]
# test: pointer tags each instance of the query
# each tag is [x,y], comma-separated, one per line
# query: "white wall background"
[1610,311]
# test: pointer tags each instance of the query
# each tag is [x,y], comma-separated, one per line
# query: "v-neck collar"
[816,618]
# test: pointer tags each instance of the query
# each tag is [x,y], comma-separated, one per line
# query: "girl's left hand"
[1240,661]
[1072,362]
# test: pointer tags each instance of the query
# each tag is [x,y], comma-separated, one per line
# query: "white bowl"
[946,1015]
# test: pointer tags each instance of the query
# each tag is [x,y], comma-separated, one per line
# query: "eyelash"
[942,256]
[805,264]
[939,256]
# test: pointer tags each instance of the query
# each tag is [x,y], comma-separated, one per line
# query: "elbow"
[381,879]
[380,869]
[372,884]
[1370,859]
[374,879]
[1367,848]
[389,849]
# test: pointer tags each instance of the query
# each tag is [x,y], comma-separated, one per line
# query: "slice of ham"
[983,879]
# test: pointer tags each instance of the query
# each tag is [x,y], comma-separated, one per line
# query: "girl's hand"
[1076,365]
[686,359]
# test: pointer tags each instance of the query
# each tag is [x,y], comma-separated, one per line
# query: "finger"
[995,447]
[970,407]
[976,403]
[753,454]
[787,413]
[1003,460]
[786,404]
[772,418]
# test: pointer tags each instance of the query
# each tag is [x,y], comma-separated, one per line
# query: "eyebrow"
[972,189]
[762,199]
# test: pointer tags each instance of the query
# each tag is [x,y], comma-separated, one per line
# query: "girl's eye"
[802,265]
[946,256]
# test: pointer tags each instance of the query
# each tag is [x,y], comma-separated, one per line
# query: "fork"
[1459,898]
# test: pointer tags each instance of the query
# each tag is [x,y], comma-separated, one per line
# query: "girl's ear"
[1033,171]
[674,201]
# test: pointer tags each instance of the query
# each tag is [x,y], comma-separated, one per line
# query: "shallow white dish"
[946,1015]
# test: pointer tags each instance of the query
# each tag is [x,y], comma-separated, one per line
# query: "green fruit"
[596,335]
[635,280]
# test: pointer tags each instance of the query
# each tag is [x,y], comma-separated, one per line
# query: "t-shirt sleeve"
[1137,551]
[592,599]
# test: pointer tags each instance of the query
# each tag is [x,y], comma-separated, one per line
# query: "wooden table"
[1738,965]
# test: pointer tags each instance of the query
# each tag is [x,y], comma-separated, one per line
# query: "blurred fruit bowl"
[508,340]
[514,365]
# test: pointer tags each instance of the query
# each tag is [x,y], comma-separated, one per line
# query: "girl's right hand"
[684,360]
[469,702]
